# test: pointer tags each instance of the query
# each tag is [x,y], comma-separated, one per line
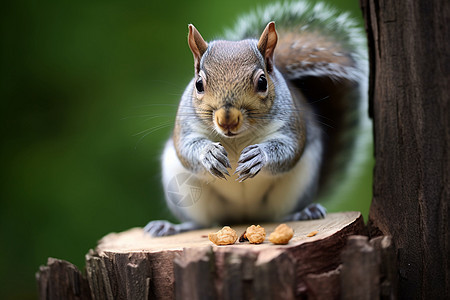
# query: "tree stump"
[409,102]
[133,265]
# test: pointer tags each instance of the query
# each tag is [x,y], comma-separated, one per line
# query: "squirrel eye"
[261,85]
[199,85]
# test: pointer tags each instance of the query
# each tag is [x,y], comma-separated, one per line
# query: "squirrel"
[269,120]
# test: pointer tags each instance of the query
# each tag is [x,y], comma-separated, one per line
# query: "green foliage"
[88,95]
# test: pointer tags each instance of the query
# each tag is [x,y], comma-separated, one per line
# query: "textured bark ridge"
[133,265]
[409,102]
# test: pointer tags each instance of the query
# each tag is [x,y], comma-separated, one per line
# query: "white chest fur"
[262,198]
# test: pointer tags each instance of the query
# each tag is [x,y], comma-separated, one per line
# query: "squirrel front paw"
[250,162]
[215,160]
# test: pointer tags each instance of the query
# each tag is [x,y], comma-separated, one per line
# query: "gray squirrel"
[267,124]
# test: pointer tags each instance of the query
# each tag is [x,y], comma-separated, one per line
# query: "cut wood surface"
[133,265]
[137,240]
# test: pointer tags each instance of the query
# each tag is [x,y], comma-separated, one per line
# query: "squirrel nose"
[228,119]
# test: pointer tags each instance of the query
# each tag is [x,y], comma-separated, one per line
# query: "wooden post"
[410,79]
[368,269]
[62,280]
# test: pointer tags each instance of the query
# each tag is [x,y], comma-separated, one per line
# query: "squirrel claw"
[250,163]
[249,153]
[249,173]
[219,174]
[215,160]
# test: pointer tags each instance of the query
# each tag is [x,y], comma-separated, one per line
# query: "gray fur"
[286,142]
[327,21]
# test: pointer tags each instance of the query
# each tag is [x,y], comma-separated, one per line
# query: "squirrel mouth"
[230,134]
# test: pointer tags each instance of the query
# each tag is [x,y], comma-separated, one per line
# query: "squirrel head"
[233,87]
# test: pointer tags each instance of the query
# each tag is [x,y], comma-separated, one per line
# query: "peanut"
[281,235]
[255,234]
[225,236]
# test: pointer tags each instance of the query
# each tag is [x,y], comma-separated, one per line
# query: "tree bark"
[409,102]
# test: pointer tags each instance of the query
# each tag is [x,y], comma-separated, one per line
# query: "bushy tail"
[323,53]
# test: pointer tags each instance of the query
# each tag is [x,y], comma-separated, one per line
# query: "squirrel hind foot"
[164,228]
[311,212]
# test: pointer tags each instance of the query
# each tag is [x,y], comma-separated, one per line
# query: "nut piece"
[281,235]
[225,236]
[255,234]
[312,233]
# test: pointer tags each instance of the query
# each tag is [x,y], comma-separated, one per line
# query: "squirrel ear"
[197,44]
[267,43]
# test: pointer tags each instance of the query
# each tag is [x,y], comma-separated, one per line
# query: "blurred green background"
[88,95]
